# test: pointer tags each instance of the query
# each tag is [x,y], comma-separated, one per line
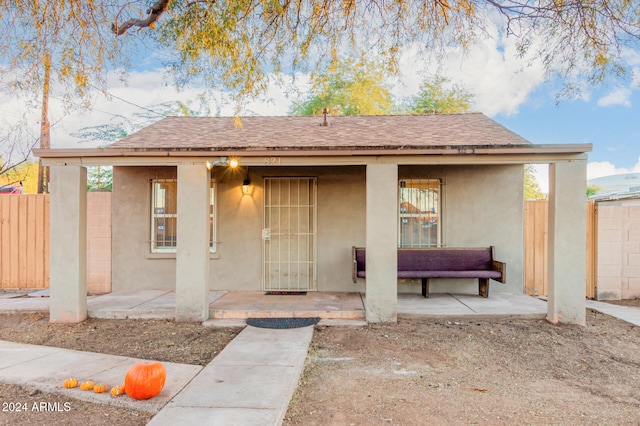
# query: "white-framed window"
[419,213]
[164,215]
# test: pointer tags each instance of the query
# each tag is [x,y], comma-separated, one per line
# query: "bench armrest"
[502,268]
[354,265]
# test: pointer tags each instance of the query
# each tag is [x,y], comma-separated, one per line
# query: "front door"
[289,234]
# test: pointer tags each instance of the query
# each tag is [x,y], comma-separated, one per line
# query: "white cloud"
[632,58]
[598,169]
[140,92]
[490,69]
[501,82]
[595,169]
[619,96]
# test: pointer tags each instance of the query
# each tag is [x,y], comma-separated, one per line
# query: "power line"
[128,102]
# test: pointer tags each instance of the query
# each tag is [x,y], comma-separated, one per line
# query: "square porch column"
[192,256]
[68,244]
[382,243]
[567,242]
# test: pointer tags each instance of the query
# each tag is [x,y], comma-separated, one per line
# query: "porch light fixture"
[247,188]
[223,161]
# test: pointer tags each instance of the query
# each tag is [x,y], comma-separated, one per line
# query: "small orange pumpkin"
[117,390]
[87,385]
[100,388]
[145,380]
[70,383]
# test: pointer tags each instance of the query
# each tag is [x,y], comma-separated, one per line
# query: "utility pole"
[45,128]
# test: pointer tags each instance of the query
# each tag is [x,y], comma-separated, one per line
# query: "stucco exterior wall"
[481,206]
[486,207]
[618,270]
[134,267]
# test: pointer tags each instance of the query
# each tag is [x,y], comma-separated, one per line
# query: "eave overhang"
[462,154]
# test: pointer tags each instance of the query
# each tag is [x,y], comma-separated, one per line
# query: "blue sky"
[517,96]
[607,119]
[613,129]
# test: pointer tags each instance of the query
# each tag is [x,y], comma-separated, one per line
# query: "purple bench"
[450,262]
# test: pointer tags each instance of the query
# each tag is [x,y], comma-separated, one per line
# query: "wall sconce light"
[223,161]
[247,188]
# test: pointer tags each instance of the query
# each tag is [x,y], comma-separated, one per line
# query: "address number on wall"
[271,161]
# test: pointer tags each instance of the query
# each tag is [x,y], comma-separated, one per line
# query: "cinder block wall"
[618,274]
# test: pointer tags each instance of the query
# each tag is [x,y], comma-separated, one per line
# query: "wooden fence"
[24,242]
[536,228]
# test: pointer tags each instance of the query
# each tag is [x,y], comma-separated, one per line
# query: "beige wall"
[482,206]
[618,270]
[98,242]
[478,207]
[133,266]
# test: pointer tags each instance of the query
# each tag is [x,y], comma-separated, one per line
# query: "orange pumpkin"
[70,383]
[117,390]
[87,385]
[145,380]
[100,388]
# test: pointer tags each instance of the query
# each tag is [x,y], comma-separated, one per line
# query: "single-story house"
[277,203]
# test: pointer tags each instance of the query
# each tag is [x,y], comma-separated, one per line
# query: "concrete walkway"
[629,314]
[333,308]
[45,368]
[249,383]
[440,305]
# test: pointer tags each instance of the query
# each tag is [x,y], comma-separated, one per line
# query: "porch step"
[222,323]
[242,305]
[230,314]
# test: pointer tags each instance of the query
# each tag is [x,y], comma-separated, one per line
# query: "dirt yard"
[462,372]
[455,371]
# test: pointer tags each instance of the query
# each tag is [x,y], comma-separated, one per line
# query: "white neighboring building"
[616,185]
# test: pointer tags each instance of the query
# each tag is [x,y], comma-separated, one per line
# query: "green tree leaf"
[240,45]
[438,96]
[350,87]
[532,189]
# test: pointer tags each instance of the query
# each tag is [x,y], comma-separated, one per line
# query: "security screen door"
[289,234]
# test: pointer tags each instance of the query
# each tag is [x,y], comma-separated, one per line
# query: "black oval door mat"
[282,322]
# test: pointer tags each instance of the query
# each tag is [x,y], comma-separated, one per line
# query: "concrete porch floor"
[334,308]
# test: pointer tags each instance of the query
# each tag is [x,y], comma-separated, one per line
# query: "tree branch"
[154,14]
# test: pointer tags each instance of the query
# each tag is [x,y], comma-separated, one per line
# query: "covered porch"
[333,308]
[480,174]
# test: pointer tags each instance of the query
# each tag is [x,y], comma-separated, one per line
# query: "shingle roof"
[307,133]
